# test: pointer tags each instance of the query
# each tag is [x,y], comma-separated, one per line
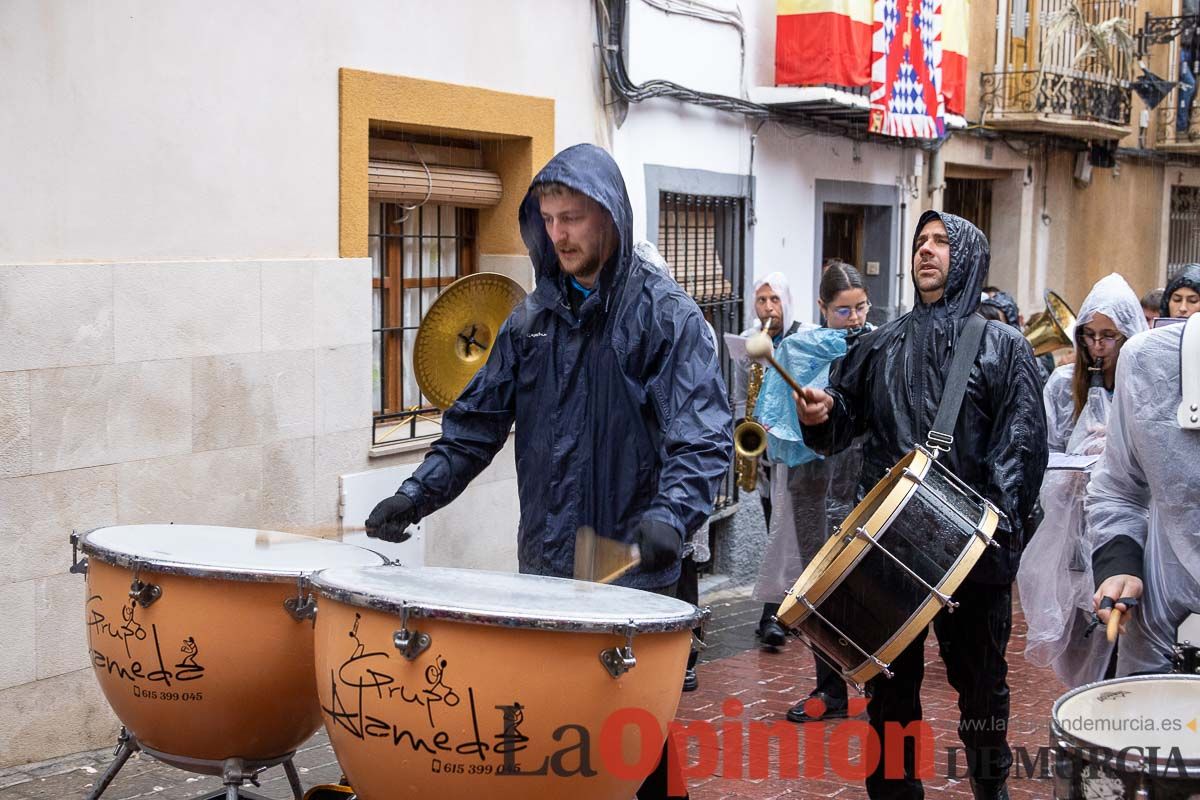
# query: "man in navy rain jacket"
[622,419]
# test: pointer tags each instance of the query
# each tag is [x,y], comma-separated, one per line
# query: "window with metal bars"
[702,238]
[1183,235]
[414,255]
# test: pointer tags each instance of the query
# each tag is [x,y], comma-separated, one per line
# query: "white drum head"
[214,551]
[1142,712]
[503,598]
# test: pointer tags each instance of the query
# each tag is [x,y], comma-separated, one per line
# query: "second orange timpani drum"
[468,684]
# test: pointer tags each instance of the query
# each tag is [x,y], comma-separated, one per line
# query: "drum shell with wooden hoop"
[854,601]
[510,696]
[215,666]
[1129,738]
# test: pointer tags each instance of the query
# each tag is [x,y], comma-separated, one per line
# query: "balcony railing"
[1055,81]
[1168,135]
[1025,93]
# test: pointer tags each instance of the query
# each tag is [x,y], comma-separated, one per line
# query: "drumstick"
[1114,624]
[612,576]
[759,346]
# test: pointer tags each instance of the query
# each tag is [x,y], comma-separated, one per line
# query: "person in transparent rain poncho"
[810,493]
[1143,503]
[1055,578]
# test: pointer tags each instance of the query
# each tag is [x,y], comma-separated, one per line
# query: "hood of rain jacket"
[621,412]
[1189,276]
[891,382]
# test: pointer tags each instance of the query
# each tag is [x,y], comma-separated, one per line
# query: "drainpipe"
[937,179]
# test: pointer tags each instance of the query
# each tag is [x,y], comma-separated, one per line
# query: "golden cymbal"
[456,336]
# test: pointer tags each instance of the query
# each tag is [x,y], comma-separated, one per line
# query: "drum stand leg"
[293,777]
[126,746]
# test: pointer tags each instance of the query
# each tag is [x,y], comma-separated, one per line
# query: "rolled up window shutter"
[407,182]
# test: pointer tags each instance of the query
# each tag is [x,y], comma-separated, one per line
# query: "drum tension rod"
[883,668]
[144,594]
[79,566]
[619,660]
[410,643]
[975,529]
[944,599]
[303,606]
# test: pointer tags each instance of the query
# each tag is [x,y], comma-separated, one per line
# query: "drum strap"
[941,436]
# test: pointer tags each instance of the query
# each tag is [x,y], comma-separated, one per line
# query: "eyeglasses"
[844,312]
[1108,338]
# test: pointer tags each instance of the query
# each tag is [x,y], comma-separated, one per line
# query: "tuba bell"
[1051,329]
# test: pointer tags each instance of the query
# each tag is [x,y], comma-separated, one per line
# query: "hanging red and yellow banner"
[823,42]
[956,38]
[906,70]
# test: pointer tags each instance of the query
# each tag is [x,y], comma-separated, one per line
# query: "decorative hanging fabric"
[819,42]
[956,39]
[906,71]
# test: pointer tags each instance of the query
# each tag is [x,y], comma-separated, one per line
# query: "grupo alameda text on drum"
[1129,725]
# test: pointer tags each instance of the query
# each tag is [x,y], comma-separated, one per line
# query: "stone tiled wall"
[216,393]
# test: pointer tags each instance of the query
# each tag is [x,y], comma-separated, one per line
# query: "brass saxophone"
[750,437]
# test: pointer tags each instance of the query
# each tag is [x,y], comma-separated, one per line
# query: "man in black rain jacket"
[889,386]
[622,419]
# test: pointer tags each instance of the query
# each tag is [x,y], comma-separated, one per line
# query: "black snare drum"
[890,567]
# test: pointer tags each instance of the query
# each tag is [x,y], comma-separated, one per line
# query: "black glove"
[391,517]
[659,543]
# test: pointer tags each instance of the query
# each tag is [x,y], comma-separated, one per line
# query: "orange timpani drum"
[455,683]
[201,637]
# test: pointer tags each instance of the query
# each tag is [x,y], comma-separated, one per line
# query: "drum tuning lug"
[619,660]
[144,594]
[698,644]
[301,608]
[79,565]
[410,643]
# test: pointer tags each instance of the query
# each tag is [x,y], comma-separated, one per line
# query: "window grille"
[414,255]
[1183,235]
[702,239]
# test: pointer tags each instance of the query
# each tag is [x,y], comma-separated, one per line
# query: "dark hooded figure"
[622,419]
[1181,298]
[1004,303]
[889,387]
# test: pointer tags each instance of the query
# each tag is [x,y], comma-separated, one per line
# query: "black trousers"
[972,643]
[688,590]
[655,785]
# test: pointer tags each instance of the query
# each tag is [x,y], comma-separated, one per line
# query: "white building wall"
[146,130]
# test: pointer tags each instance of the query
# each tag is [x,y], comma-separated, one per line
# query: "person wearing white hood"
[773,307]
[1143,507]
[1055,578]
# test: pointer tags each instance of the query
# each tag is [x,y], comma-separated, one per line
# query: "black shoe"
[822,709]
[771,634]
[988,791]
[690,681]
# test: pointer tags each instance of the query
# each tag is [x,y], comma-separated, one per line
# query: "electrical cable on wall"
[428,189]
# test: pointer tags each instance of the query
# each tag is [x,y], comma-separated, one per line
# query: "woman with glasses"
[820,491]
[1055,579]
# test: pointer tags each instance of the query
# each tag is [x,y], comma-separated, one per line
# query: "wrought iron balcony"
[1168,135]
[1060,102]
